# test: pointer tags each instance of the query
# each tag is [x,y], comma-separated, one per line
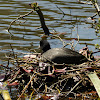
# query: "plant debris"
[45,81]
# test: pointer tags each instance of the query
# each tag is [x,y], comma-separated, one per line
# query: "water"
[26,34]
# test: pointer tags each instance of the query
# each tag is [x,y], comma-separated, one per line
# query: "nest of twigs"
[44,81]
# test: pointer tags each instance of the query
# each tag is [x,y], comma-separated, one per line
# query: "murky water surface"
[26,36]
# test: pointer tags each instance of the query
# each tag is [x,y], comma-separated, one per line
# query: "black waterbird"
[60,55]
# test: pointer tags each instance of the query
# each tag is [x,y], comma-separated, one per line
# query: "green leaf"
[96,81]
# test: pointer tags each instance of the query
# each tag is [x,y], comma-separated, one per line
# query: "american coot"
[60,55]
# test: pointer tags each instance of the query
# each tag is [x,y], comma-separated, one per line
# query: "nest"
[44,81]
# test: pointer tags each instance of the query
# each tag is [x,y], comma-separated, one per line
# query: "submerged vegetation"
[35,79]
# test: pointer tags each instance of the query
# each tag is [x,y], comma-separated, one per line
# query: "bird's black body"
[60,55]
